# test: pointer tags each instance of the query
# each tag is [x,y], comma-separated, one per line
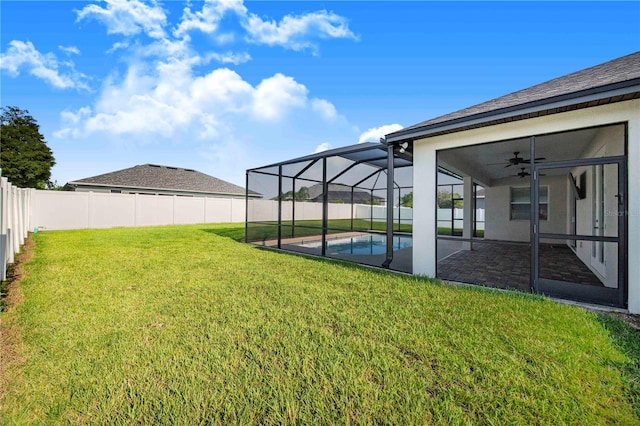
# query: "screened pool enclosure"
[353,203]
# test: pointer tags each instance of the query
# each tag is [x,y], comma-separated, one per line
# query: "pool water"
[367,244]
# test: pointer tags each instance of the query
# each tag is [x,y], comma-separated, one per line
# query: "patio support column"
[399,209]
[293,209]
[468,211]
[352,208]
[325,206]
[280,206]
[246,210]
[390,188]
[371,211]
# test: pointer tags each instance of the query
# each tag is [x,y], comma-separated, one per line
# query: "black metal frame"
[601,295]
[381,157]
[617,297]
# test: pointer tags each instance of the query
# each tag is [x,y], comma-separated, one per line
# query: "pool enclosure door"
[588,263]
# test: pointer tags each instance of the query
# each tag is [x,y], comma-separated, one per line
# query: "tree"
[445,199]
[302,194]
[407,200]
[25,158]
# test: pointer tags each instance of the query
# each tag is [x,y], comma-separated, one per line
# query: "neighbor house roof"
[166,178]
[613,81]
[341,193]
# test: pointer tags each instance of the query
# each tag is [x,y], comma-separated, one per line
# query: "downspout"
[390,191]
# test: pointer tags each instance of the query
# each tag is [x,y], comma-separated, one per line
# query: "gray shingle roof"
[605,76]
[340,192]
[151,176]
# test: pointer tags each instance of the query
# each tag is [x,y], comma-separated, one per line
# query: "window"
[521,203]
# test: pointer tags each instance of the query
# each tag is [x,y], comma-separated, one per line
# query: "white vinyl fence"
[446,215]
[267,211]
[15,209]
[58,210]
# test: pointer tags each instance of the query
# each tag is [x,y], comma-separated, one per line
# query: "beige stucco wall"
[498,225]
[424,230]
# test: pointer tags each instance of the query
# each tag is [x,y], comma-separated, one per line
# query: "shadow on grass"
[235,233]
[627,340]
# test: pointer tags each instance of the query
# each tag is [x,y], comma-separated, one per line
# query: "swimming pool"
[367,244]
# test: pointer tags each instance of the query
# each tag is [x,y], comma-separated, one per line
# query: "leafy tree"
[302,194]
[25,158]
[445,199]
[407,200]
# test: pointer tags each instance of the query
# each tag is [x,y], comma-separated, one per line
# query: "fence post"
[20,221]
[4,203]
[89,209]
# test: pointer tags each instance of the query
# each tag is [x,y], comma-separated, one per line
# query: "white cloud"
[70,50]
[229,58]
[128,17]
[207,19]
[24,55]
[326,109]
[168,96]
[292,32]
[375,133]
[275,95]
[117,46]
[173,101]
[324,146]
[297,32]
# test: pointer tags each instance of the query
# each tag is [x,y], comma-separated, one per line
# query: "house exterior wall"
[424,195]
[498,225]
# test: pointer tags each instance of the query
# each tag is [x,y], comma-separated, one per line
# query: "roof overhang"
[616,92]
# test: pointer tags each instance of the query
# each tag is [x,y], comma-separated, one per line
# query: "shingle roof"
[315,191]
[624,71]
[152,176]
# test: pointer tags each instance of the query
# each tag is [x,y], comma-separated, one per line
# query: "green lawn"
[185,325]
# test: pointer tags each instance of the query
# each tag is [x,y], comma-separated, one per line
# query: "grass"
[184,325]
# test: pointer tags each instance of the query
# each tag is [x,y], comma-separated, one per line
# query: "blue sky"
[223,86]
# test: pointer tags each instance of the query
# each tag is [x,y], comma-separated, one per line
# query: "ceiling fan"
[517,160]
[523,173]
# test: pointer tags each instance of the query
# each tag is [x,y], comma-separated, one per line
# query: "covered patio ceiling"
[487,163]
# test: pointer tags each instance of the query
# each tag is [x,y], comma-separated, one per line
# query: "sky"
[224,86]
